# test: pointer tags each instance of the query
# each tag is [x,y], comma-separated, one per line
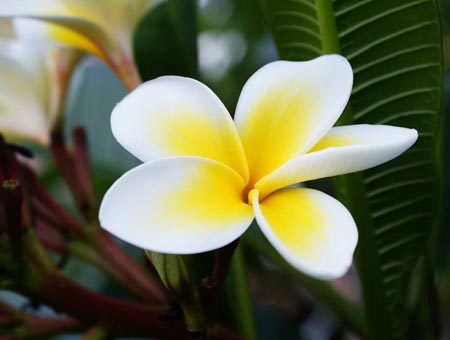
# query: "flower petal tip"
[311,230]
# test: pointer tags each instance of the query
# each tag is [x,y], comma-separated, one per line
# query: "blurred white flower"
[102,27]
[33,82]
[219,52]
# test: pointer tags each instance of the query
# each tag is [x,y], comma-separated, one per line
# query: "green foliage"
[395,49]
[238,296]
[166,40]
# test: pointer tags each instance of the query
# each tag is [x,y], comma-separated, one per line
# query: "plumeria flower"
[102,27]
[33,84]
[206,178]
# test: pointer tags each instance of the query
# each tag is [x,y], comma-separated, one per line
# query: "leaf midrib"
[366,255]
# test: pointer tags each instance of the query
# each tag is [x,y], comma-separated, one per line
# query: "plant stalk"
[239,297]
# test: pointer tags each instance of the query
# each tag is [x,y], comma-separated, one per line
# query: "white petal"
[343,150]
[180,205]
[286,107]
[172,116]
[312,231]
[24,94]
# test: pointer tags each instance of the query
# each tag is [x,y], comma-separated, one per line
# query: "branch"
[121,318]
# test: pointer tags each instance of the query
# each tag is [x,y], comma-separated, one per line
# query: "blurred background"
[232,44]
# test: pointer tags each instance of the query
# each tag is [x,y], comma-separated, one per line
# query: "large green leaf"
[395,49]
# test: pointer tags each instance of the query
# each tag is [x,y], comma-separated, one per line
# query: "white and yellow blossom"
[102,27]
[206,177]
[33,82]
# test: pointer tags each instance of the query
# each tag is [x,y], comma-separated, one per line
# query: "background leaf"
[395,49]
[166,40]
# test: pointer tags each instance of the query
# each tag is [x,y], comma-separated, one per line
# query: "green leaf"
[238,296]
[166,40]
[395,49]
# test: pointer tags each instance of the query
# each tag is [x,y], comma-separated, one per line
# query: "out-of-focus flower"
[206,178]
[102,27]
[219,52]
[33,83]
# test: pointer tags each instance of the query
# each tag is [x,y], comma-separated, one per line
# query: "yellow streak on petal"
[277,128]
[192,134]
[296,220]
[333,141]
[72,38]
[208,195]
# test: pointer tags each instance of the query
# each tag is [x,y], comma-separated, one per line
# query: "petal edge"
[312,231]
[343,150]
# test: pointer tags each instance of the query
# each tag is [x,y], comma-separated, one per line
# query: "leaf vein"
[388,37]
[382,15]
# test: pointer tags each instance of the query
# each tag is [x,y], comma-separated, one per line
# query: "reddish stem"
[11,204]
[9,167]
[82,165]
[121,318]
[51,246]
[34,326]
[65,164]
[53,214]
[149,288]
[7,311]
[41,212]
[37,326]
[50,238]
[49,207]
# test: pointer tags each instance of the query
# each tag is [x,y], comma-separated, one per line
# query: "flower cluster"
[33,84]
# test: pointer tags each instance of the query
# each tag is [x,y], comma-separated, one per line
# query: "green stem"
[327,27]
[239,296]
[427,306]
[352,194]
